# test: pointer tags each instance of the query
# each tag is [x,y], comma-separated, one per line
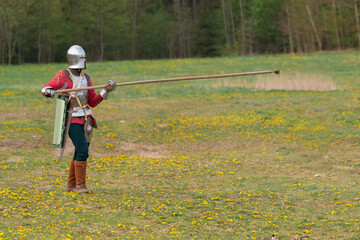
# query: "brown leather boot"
[80,173]
[71,186]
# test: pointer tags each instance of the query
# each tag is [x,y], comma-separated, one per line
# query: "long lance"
[276,71]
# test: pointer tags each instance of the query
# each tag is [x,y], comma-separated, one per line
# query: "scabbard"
[65,136]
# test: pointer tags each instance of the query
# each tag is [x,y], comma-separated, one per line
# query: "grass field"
[240,158]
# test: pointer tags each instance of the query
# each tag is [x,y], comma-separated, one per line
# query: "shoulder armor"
[87,78]
[67,74]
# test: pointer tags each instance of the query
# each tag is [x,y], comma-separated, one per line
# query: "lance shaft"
[276,71]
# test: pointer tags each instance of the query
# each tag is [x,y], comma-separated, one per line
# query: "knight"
[80,120]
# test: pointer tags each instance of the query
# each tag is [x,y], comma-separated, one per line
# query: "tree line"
[41,31]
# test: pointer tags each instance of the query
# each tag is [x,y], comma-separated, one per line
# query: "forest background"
[40,31]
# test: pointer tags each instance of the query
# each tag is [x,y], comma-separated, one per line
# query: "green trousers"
[77,136]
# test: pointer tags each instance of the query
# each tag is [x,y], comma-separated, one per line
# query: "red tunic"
[58,82]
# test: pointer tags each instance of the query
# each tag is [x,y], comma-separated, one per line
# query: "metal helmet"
[74,56]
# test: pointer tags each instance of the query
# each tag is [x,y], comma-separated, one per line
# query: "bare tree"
[316,31]
[181,27]
[225,23]
[39,41]
[289,27]
[229,24]
[133,35]
[102,45]
[341,29]
[357,20]
[243,27]
[336,24]
[195,10]
[13,16]
[1,45]
[233,34]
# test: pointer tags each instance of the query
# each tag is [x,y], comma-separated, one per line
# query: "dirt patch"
[143,150]
[20,144]
[14,159]
[97,149]
[282,82]
[131,149]
[12,116]
[296,82]
[11,144]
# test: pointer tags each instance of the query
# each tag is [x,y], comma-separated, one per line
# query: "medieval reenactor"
[79,120]
[73,116]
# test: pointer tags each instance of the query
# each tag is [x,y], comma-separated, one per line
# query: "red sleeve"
[58,81]
[93,98]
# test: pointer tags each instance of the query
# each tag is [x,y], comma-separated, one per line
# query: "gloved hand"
[111,86]
[48,92]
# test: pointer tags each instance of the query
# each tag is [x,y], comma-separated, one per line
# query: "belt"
[81,118]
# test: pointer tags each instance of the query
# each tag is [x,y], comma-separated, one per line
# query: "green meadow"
[236,158]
